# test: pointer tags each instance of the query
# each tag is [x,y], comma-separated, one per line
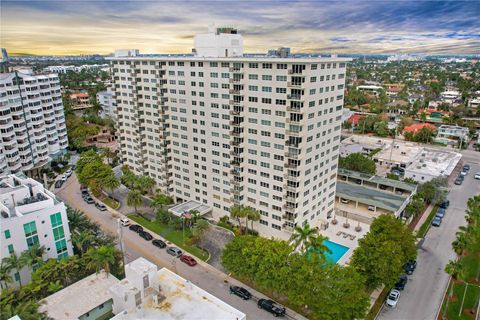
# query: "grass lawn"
[426,225]
[174,236]
[106,200]
[471,297]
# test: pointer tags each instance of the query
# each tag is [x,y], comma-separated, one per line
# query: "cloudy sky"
[167,26]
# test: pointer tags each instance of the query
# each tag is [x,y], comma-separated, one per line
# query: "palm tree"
[238,212]
[460,243]
[33,257]
[200,228]
[456,270]
[108,154]
[134,199]
[14,262]
[54,287]
[83,240]
[145,183]
[5,277]
[253,215]
[160,200]
[318,245]
[302,237]
[77,221]
[25,310]
[103,257]
[111,182]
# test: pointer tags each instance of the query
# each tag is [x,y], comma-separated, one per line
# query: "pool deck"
[331,233]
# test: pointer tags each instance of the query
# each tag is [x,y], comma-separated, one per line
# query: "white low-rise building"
[371,89]
[432,163]
[149,293]
[31,215]
[474,103]
[106,100]
[450,96]
[451,135]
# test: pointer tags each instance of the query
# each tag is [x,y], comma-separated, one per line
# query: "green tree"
[145,184]
[302,237]
[253,215]
[33,257]
[358,162]
[15,262]
[27,310]
[111,182]
[200,228]
[381,129]
[383,251]
[415,206]
[5,277]
[101,258]
[238,212]
[134,199]
[77,220]
[434,191]
[83,240]
[161,200]
[318,246]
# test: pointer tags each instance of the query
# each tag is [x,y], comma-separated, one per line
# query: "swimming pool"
[337,251]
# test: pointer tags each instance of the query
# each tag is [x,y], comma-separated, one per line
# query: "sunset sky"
[357,26]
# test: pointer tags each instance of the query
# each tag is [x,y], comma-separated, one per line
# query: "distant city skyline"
[370,27]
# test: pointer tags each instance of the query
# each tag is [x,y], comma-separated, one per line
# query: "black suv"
[241,292]
[136,228]
[445,204]
[271,306]
[410,266]
[402,282]
[159,243]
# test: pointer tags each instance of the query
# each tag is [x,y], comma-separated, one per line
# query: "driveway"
[424,292]
[203,275]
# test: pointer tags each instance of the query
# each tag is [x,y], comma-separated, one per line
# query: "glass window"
[10,248]
[58,233]
[7,234]
[61,246]
[30,229]
[56,219]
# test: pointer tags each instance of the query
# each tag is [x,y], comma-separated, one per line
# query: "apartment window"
[253,65]
[281,78]
[282,66]
[274,226]
[10,248]
[266,65]
[7,234]
[253,76]
[267,77]
[30,230]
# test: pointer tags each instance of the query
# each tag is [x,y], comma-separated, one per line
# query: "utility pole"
[120,242]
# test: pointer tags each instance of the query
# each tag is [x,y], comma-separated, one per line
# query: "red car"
[188,260]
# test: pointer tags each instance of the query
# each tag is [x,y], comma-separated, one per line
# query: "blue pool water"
[337,251]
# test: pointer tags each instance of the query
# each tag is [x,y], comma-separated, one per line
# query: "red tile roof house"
[354,118]
[416,127]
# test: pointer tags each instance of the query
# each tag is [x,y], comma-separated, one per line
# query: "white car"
[69,172]
[64,178]
[477,176]
[125,222]
[463,173]
[393,298]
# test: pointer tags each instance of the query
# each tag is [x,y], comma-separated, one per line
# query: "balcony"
[289,188]
[297,97]
[235,154]
[287,227]
[291,165]
[294,109]
[234,133]
[236,123]
[234,112]
[234,91]
[294,85]
[291,178]
[292,155]
[236,143]
[289,217]
[290,199]
[288,207]
[293,121]
[294,133]
[234,80]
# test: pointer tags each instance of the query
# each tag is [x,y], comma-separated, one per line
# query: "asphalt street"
[424,292]
[203,275]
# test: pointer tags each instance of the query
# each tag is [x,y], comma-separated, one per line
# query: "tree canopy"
[358,162]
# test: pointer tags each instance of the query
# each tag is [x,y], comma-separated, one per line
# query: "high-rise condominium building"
[31,215]
[32,122]
[222,128]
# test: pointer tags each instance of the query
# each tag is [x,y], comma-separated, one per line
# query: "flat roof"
[188,206]
[181,300]
[157,57]
[79,298]
[374,197]
[435,162]
[377,179]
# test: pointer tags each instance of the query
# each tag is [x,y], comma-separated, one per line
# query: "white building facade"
[259,131]
[31,215]
[105,98]
[32,121]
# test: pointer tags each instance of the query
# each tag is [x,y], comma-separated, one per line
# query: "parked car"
[73,167]
[188,260]
[371,208]
[463,173]
[466,167]
[402,282]
[85,193]
[145,235]
[69,172]
[136,228]
[344,200]
[100,206]
[445,204]
[64,178]
[58,184]
[393,298]
[477,176]
[437,222]
[159,243]
[440,213]
[458,181]
[410,266]
[174,251]
[271,306]
[241,292]
[88,200]
[82,187]
[124,222]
